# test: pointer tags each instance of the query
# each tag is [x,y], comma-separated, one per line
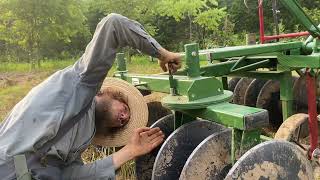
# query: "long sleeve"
[98,170]
[112,32]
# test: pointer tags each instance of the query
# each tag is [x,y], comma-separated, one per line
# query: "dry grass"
[126,172]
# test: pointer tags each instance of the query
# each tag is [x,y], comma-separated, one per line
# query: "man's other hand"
[167,57]
[144,140]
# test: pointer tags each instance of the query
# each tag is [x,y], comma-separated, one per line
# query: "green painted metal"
[265,138]
[224,81]
[238,51]
[249,139]
[183,103]
[286,95]
[121,65]
[181,118]
[235,144]
[275,75]
[295,9]
[202,92]
[242,141]
[203,55]
[192,60]
[316,46]
[121,62]
[299,61]
[251,66]
[230,115]
[224,68]
[158,83]
[235,66]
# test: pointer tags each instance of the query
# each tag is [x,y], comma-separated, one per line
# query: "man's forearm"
[122,156]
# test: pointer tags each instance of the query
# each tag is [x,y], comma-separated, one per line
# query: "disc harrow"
[178,147]
[217,126]
[265,94]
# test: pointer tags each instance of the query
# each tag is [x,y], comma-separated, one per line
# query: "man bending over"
[74,93]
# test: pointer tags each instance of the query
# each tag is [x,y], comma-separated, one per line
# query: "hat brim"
[138,114]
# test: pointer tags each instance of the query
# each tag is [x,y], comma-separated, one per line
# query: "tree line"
[36,29]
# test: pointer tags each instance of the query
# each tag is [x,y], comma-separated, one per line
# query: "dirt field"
[14,86]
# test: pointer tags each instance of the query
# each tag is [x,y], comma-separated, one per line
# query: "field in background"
[16,79]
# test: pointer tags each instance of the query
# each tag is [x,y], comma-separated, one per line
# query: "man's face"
[111,110]
[120,114]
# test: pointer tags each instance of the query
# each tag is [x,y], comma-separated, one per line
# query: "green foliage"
[140,10]
[202,12]
[32,25]
[32,29]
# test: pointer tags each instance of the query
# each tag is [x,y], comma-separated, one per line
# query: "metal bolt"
[194,53]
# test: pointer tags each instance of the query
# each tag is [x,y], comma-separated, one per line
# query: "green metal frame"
[200,91]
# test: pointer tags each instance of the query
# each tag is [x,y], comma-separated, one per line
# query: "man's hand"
[143,141]
[167,57]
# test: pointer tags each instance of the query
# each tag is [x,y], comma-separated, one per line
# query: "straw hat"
[138,114]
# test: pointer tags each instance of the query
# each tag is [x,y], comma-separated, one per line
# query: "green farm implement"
[251,113]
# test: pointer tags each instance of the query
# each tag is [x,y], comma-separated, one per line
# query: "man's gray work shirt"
[38,116]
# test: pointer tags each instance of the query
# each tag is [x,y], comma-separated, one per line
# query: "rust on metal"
[155,108]
[296,126]
[269,99]
[300,95]
[252,92]
[179,145]
[233,83]
[272,160]
[211,158]
[240,90]
[144,164]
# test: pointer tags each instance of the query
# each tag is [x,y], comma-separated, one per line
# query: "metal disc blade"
[210,159]
[269,99]
[144,164]
[155,108]
[300,94]
[233,83]
[272,160]
[179,145]
[252,92]
[240,90]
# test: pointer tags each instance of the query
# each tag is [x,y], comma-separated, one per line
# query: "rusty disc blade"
[272,160]
[144,164]
[179,145]
[210,159]
[269,99]
[155,108]
[252,92]
[233,83]
[144,92]
[300,94]
[240,90]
